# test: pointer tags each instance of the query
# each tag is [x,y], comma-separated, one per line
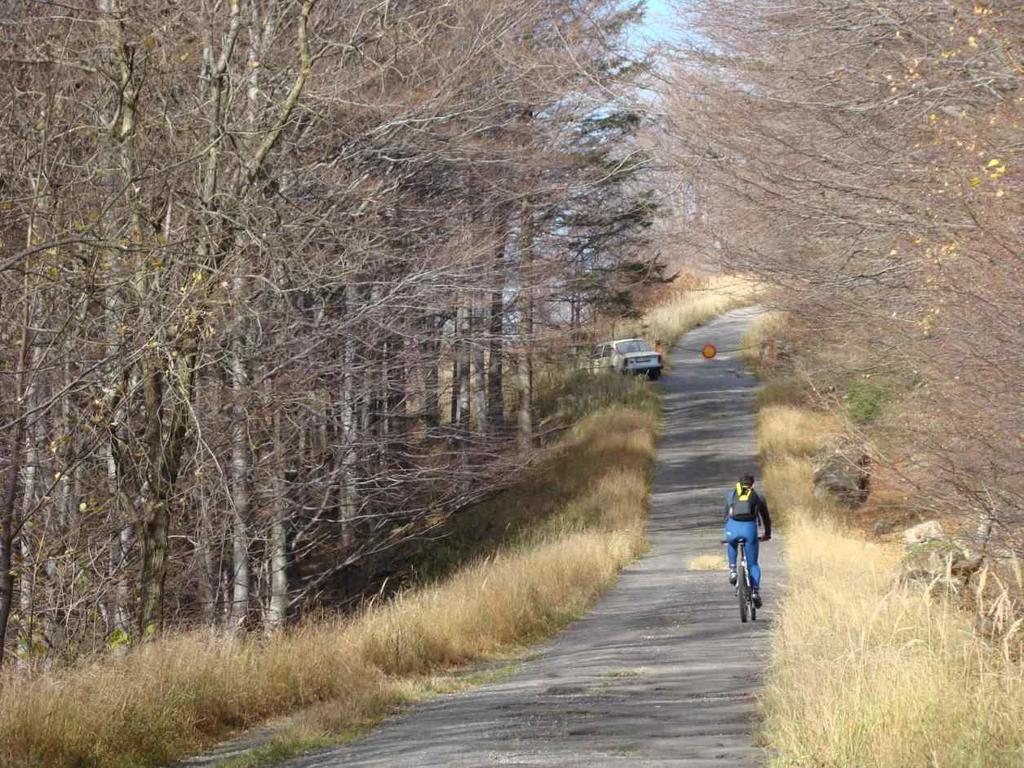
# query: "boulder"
[938,561]
[842,471]
[931,530]
[883,527]
[965,567]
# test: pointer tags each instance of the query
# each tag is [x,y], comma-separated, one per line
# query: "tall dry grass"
[167,698]
[866,670]
[688,307]
[769,326]
[172,696]
[786,431]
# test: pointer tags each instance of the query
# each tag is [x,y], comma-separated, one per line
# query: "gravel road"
[660,672]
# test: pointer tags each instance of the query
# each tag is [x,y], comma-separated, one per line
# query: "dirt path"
[661,672]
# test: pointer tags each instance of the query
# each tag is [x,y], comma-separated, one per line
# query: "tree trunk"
[8,523]
[27,597]
[278,609]
[208,582]
[430,349]
[525,361]
[479,377]
[26,623]
[6,556]
[29,477]
[164,439]
[241,460]
[454,410]
[154,529]
[278,613]
[462,383]
[7,532]
[348,492]
[278,546]
[154,568]
[239,573]
[495,395]
[393,369]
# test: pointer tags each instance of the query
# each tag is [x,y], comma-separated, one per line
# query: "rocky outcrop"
[932,559]
[930,530]
[842,471]
[883,527]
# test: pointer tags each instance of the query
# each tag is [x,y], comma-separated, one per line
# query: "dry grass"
[787,437]
[867,671]
[690,307]
[162,700]
[167,698]
[778,389]
[708,562]
[782,391]
[768,326]
[788,431]
[488,608]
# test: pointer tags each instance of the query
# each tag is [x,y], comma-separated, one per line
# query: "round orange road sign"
[709,351]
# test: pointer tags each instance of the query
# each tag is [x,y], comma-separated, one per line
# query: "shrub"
[866,399]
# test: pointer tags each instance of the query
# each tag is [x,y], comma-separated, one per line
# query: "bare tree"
[861,157]
[248,248]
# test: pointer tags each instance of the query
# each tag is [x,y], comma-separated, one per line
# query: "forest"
[279,284]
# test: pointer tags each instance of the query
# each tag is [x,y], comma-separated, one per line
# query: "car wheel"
[654,374]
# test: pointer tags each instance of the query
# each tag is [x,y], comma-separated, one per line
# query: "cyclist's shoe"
[755,597]
[732,578]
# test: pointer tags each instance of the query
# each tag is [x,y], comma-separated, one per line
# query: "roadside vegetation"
[863,160]
[538,554]
[869,668]
[692,303]
[172,696]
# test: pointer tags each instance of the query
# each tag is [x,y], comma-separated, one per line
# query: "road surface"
[660,672]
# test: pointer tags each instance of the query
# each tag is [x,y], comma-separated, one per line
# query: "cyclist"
[744,509]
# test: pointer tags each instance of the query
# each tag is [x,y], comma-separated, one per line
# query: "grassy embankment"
[866,670]
[335,678]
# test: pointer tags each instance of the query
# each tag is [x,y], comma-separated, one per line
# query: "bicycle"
[748,611]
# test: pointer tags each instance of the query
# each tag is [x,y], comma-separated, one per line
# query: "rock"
[883,527]
[841,471]
[930,530]
[937,561]
[933,556]
[966,567]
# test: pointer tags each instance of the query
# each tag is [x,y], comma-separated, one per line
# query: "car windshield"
[633,345]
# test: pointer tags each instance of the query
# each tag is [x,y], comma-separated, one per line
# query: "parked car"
[634,356]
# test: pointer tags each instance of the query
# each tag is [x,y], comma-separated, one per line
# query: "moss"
[866,399]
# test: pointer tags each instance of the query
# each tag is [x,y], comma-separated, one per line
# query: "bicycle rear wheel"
[743,584]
